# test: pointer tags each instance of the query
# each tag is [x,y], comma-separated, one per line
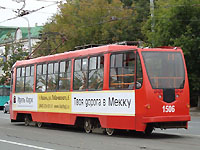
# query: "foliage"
[93,22]
[177,23]
[13,52]
[127,2]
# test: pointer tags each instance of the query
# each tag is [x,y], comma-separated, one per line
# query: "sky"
[40,17]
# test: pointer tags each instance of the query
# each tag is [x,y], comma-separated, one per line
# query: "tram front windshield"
[164,69]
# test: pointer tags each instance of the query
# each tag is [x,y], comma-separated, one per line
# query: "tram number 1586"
[168,108]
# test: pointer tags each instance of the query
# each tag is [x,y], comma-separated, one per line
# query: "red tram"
[112,86]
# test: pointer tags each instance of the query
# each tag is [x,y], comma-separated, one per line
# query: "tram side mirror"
[138,85]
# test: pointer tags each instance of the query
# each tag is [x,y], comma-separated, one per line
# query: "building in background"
[13,35]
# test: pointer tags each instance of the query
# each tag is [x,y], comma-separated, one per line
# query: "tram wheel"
[39,124]
[27,120]
[109,131]
[149,129]
[88,125]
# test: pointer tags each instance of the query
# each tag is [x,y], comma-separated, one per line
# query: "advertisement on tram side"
[109,102]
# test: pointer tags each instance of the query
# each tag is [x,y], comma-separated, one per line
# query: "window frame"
[98,67]
[65,72]
[30,75]
[20,76]
[138,58]
[80,58]
[152,83]
[122,52]
[53,73]
[42,73]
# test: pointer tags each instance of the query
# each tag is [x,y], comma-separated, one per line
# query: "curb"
[194,111]
[195,114]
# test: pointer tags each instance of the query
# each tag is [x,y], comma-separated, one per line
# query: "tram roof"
[85,52]
[75,54]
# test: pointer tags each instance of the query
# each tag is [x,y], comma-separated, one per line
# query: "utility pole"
[152,19]
[29,36]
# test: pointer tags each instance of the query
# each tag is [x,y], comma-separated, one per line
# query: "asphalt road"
[16,136]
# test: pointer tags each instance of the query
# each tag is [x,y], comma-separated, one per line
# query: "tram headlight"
[160,96]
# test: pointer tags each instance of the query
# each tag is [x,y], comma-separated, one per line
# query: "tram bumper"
[165,122]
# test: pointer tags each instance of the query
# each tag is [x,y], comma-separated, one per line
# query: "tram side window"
[6,91]
[41,78]
[52,78]
[122,70]
[80,74]
[20,79]
[139,76]
[1,91]
[96,71]
[65,75]
[11,81]
[29,78]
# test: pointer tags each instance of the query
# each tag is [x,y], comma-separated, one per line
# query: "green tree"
[127,2]
[142,7]
[177,23]
[92,22]
[13,52]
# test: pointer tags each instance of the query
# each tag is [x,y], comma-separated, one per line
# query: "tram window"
[100,62]
[39,69]
[65,75]
[118,60]
[11,81]
[80,74]
[112,61]
[52,78]
[1,92]
[62,66]
[56,67]
[23,72]
[85,64]
[20,79]
[41,78]
[44,69]
[28,71]
[29,79]
[96,71]
[122,70]
[165,70]
[93,63]
[78,65]
[139,76]
[6,91]
[18,72]
[50,68]
[68,66]
[32,70]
